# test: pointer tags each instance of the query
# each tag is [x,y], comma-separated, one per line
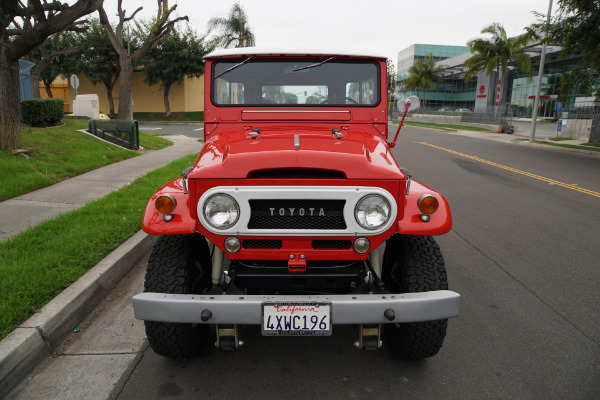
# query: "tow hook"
[369,337]
[227,337]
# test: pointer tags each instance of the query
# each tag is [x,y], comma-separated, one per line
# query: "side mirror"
[404,106]
[412,102]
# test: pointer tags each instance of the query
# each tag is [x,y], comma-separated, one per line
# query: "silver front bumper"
[345,309]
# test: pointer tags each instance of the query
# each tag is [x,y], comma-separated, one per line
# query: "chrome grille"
[297,214]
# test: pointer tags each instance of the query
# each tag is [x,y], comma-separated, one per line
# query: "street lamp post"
[536,102]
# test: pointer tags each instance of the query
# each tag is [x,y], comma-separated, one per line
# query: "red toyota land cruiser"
[296,216]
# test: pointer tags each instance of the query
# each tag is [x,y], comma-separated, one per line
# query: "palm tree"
[496,53]
[234,29]
[421,77]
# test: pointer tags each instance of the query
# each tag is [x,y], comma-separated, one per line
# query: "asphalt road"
[522,253]
[195,130]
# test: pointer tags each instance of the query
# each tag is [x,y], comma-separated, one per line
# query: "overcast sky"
[381,26]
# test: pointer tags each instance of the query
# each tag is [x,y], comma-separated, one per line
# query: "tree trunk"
[35,81]
[490,99]
[10,113]
[111,102]
[125,92]
[166,98]
[48,87]
[503,88]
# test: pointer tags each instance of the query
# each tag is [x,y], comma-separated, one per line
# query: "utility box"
[86,105]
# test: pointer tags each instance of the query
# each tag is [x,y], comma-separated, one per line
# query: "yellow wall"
[60,90]
[186,96]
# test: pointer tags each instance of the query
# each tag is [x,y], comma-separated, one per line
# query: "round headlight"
[221,211]
[372,212]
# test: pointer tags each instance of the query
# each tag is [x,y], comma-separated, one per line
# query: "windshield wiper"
[314,65]
[234,67]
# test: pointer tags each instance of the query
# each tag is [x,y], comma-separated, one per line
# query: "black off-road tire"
[178,264]
[414,264]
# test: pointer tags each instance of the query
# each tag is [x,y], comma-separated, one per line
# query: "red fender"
[183,221]
[411,224]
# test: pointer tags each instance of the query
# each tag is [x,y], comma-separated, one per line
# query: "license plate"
[296,319]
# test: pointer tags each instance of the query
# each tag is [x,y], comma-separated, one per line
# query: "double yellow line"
[517,171]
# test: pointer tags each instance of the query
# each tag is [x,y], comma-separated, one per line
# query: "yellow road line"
[541,178]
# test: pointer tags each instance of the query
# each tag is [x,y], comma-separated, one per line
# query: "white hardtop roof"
[293,51]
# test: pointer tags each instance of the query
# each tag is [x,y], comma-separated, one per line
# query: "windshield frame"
[316,63]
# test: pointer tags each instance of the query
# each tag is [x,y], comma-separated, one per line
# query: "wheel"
[414,264]
[350,99]
[178,264]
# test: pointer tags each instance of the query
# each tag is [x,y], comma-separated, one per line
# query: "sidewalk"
[43,333]
[32,208]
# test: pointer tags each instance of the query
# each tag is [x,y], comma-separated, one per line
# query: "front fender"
[183,221]
[411,224]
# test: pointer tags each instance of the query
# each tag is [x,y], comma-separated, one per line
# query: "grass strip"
[587,146]
[59,153]
[40,262]
[445,127]
[592,144]
[190,116]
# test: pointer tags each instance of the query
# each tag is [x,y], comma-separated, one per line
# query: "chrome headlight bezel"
[213,211]
[366,205]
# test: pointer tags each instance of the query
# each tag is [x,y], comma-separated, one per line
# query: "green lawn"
[40,262]
[59,153]
[445,127]
[191,116]
[594,146]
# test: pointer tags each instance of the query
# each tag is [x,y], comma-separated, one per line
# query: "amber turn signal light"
[165,204]
[428,204]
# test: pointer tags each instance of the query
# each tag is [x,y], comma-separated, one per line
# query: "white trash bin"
[86,105]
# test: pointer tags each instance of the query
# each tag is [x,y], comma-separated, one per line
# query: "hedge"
[42,112]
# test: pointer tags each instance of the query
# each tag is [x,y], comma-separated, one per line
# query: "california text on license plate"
[296,319]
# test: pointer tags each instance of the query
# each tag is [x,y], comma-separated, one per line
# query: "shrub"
[42,112]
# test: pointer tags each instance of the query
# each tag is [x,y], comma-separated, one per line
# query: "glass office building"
[409,56]
[454,93]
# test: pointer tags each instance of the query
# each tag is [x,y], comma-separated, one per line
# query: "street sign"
[558,107]
[559,125]
[74,81]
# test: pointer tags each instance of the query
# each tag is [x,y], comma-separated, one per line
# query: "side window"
[361,92]
[229,92]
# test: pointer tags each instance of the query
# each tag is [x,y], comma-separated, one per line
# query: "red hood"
[231,153]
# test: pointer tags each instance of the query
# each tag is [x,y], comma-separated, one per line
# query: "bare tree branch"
[132,15]
[34,35]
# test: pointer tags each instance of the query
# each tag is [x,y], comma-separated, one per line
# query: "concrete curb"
[45,331]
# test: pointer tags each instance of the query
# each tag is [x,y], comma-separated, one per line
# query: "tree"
[181,55]
[46,54]
[61,62]
[160,30]
[391,77]
[496,53]
[234,29]
[99,60]
[576,27]
[421,77]
[24,28]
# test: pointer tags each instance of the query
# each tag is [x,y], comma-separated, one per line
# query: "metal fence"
[124,133]
[502,115]
[580,113]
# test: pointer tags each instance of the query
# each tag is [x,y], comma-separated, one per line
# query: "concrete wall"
[183,97]
[577,129]
[453,120]
[60,90]
[438,119]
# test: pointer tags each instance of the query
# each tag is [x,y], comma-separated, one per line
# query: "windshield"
[323,82]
